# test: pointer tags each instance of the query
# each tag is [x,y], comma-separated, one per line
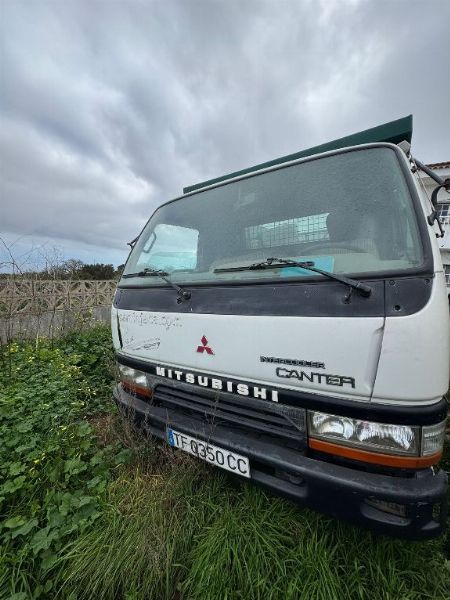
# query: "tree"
[72,267]
[96,271]
[119,271]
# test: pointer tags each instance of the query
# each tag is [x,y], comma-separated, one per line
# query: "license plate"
[230,461]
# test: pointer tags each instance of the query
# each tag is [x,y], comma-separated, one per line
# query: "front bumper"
[335,490]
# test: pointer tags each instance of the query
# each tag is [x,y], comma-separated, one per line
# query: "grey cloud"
[109,108]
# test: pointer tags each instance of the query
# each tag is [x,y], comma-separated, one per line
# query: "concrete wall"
[51,324]
[47,308]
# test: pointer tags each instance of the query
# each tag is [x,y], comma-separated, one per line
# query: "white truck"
[289,323]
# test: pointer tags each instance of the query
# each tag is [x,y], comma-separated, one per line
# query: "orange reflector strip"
[132,388]
[389,460]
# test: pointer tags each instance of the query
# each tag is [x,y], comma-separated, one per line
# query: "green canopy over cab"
[393,132]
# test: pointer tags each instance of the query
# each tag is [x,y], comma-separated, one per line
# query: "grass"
[157,524]
[193,533]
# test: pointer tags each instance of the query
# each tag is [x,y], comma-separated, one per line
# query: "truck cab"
[289,323]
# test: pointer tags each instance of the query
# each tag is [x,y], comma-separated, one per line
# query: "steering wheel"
[335,245]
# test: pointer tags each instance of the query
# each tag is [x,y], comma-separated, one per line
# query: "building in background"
[443,170]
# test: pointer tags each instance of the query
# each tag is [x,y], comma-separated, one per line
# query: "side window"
[288,232]
[170,248]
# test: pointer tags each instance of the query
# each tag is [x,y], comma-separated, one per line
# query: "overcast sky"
[109,108]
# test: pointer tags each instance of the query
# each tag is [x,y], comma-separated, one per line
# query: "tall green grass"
[138,546]
[190,532]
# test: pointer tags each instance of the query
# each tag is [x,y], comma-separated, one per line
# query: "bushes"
[52,471]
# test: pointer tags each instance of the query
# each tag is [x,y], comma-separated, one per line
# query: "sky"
[108,108]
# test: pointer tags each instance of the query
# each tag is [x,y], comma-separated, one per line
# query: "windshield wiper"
[183,294]
[275,263]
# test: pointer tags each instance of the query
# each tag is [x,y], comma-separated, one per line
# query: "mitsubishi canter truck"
[289,323]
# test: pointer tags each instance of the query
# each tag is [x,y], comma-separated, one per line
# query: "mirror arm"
[445,184]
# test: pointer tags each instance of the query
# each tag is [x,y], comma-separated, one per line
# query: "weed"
[52,471]
[141,541]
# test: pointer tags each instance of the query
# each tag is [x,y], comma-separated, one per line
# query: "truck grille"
[259,417]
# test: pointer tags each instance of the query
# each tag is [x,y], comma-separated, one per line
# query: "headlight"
[134,381]
[380,443]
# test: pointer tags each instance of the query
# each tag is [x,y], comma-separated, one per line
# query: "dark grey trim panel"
[283,299]
[383,413]
[406,296]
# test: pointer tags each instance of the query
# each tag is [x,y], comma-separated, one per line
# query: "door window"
[170,248]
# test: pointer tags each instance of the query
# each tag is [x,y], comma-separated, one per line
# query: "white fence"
[50,307]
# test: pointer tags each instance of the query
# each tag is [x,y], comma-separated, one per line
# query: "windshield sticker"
[326,263]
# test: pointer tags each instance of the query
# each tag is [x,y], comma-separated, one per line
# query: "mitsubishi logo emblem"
[204,347]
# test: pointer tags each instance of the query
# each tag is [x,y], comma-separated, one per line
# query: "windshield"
[349,213]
